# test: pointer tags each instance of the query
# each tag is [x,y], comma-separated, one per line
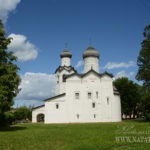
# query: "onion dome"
[90,52]
[66,53]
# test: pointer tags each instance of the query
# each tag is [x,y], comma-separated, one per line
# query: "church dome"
[90,51]
[66,53]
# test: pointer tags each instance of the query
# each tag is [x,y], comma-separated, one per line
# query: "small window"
[97,95]
[78,116]
[93,105]
[57,106]
[77,95]
[94,115]
[89,95]
[63,78]
[107,100]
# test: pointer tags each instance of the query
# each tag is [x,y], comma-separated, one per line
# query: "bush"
[148,117]
[22,113]
[9,117]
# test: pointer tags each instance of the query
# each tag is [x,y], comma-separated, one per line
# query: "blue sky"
[41,29]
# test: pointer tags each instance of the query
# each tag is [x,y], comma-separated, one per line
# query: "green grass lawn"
[126,135]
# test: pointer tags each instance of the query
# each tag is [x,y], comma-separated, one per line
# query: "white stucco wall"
[60,85]
[107,105]
[54,113]
[116,108]
[83,106]
[36,112]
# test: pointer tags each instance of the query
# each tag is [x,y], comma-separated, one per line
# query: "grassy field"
[126,135]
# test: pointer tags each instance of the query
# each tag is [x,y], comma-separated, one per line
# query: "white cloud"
[79,64]
[113,65]
[22,48]
[36,86]
[124,74]
[6,6]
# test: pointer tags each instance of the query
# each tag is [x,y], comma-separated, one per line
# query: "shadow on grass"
[139,120]
[12,128]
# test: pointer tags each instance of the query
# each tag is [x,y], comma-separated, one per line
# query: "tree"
[143,74]
[145,103]
[9,79]
[129,95]
[23,113]
[143,60]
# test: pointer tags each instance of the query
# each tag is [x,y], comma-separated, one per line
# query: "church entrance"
[40,118]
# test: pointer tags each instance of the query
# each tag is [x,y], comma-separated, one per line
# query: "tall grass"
[96,136]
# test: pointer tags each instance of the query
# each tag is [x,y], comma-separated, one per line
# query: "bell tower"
[63,70]
[66,58]
[91,59]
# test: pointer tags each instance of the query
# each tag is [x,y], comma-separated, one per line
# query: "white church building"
[81,98]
